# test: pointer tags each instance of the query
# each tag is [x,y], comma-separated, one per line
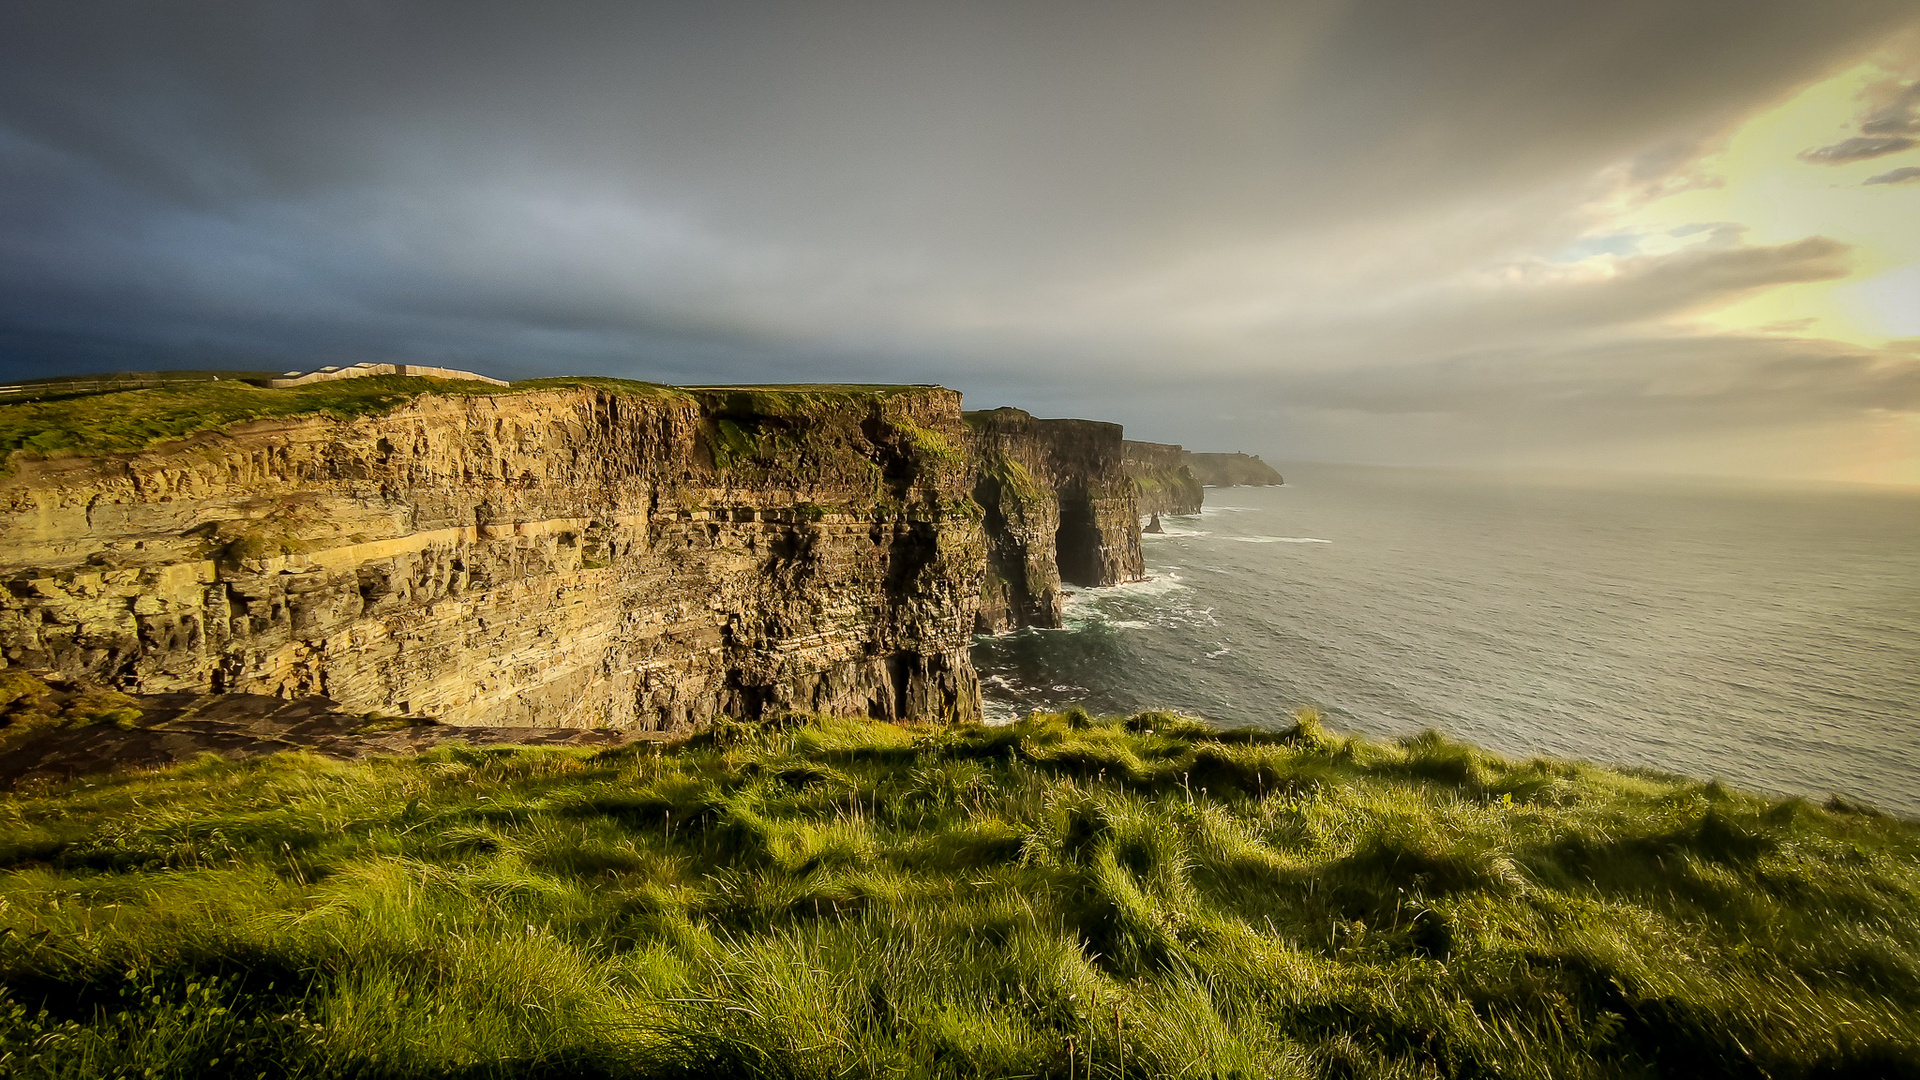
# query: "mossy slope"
[99,415]
[1062,897]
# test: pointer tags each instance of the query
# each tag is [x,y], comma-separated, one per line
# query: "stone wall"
[364,371]
[574,557]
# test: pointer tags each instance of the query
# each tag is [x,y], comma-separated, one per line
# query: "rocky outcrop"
[1059,507]
[1165,483]
[585,555]
[1233,470]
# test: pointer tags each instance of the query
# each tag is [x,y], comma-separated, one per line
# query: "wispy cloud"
[1859,148]
[1899,115]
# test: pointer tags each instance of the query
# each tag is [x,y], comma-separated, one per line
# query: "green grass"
[1062,897]
[95,415]
[852,436]
[757,434]
[124,421]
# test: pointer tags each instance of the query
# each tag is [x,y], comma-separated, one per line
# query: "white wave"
[1160,584]
[1279,540]
[998,713]
[1081,607]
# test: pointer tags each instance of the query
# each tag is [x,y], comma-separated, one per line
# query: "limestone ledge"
[561,558]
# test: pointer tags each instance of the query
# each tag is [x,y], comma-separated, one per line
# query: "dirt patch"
[176,728]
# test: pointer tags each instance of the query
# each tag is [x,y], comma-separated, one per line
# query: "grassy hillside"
[104,419]
[108,414]
[1064,897]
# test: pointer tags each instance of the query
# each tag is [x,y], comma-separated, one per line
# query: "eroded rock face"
[1165,482]
[1059,507]
[574,557]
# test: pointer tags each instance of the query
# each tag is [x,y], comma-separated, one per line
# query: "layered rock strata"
[1233,470]
[1059,507]
[586,555]
[1165,483]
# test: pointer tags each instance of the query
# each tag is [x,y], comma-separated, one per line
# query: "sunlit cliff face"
[1638,235]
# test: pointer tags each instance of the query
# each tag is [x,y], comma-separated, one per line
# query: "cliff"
[575,553]
[1233,470]
[1059,507]
[1164,481]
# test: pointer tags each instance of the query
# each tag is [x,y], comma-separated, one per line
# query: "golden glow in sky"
[1766,184]
[1760,181]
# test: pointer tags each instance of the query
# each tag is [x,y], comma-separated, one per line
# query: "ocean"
[1765,636]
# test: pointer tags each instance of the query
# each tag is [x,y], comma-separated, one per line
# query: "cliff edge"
[577,553]
[1163,479]
[1059,507]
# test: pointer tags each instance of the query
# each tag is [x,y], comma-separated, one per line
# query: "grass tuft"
[1068,895]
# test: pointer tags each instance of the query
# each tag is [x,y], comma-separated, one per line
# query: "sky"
[1645,235]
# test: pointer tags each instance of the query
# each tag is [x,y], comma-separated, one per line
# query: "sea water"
[1767,636]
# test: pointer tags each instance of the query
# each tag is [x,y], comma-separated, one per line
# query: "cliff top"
[1007,414]
[1233,470]
[106,414]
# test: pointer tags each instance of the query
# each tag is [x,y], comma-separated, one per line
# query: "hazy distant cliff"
[1233,470]
[1059,507]
[1165,481]
[578,555]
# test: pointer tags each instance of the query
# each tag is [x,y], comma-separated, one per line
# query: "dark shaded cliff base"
[1064,897]
[177,728]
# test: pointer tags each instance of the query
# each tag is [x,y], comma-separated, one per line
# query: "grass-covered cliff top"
[121,414]
[1062,897]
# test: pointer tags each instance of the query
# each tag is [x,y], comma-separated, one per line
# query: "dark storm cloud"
[966,192]
[1905,174]
[1858,148]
